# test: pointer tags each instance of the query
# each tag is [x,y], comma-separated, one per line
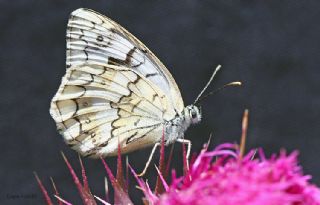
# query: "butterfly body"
[176,127]
[115,91]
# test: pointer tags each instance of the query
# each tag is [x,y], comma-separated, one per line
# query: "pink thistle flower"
[232,179]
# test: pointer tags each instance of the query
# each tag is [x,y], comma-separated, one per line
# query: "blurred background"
[273,47]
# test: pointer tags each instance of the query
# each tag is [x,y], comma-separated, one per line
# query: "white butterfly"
[116,91]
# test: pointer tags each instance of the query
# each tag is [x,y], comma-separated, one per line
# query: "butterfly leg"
[188,143]
[149,160]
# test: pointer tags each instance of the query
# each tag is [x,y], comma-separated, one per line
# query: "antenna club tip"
[236,83]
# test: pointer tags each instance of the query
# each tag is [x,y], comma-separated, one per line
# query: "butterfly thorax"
[176,127]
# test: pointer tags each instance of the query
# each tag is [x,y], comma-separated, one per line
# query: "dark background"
[271,46]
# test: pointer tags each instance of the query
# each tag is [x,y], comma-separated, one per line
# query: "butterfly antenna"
[208,83]
[236,83]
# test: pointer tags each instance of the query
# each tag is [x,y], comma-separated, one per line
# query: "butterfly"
[116,92]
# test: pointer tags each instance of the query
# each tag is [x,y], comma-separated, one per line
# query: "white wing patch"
[97,107]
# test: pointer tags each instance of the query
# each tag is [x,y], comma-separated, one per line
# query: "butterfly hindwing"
[97,107]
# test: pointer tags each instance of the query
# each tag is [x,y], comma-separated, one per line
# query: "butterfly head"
[192,114]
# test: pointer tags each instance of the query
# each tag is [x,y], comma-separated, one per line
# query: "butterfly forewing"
[95,39]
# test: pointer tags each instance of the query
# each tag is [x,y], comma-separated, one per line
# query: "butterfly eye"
[193,114]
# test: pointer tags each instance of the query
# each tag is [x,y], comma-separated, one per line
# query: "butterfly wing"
[95,39]
[115,90]
[98,107]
